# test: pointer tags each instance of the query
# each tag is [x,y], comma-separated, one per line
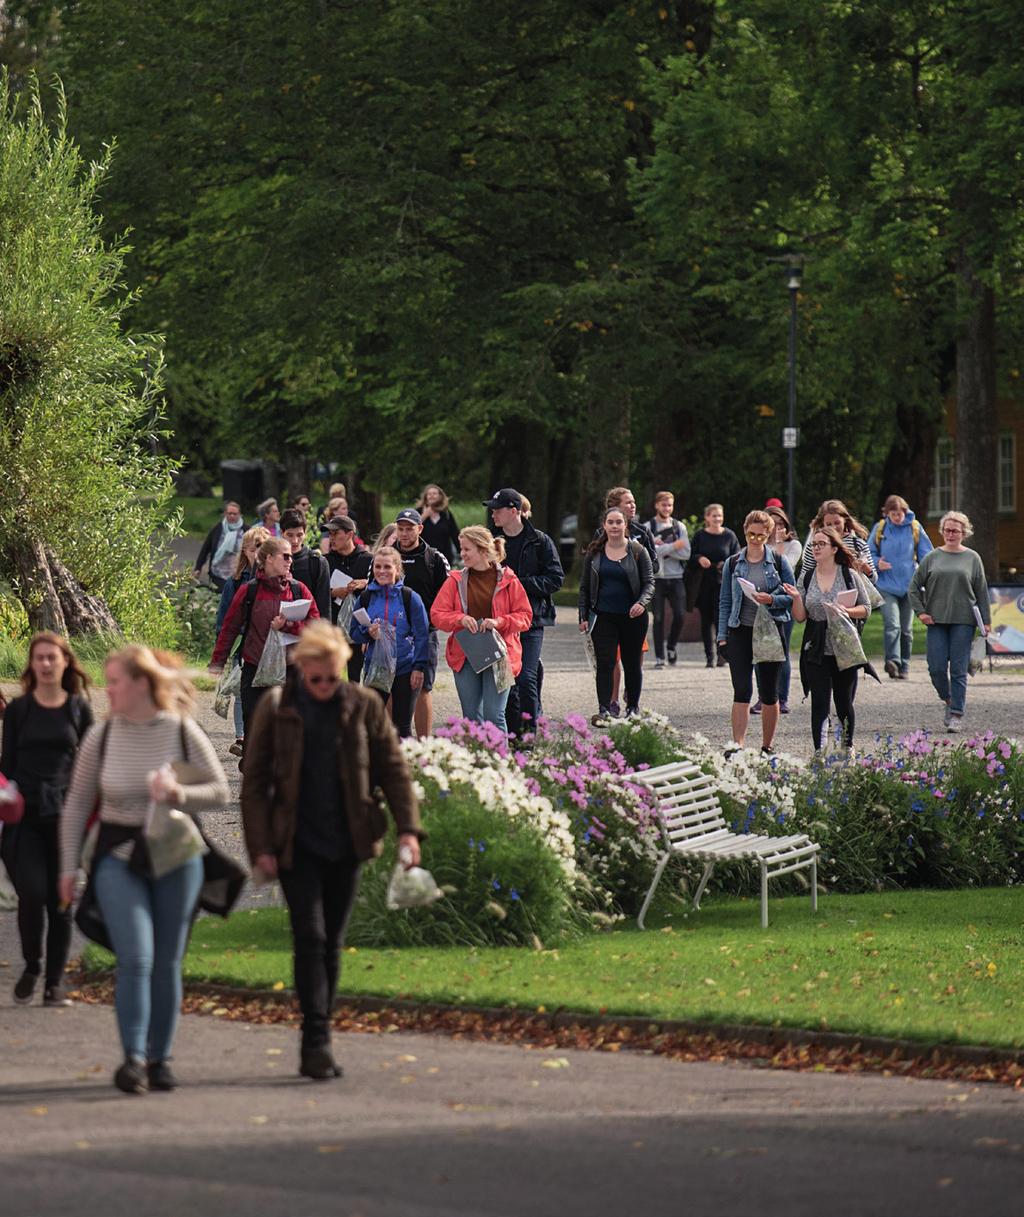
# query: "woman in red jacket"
[483,596]
[255,611]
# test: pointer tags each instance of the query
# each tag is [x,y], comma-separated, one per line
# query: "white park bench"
[693,826]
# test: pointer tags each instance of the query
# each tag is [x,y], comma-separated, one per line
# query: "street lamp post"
[790,435]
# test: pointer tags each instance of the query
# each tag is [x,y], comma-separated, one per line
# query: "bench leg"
[764,896]
[703,884]
[658,872]
[814,883]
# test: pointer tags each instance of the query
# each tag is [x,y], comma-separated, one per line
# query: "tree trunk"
[604,461]
[34,585]
[976,442]
[908,465]
[83,613]
[364,502]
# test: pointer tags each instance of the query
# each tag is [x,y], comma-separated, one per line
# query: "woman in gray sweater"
[950,596]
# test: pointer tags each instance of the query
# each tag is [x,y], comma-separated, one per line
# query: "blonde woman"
[120,766]
[439,527]
[947,591]
[483,596]
[320,748]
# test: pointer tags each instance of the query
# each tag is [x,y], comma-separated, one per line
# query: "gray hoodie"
[673,561]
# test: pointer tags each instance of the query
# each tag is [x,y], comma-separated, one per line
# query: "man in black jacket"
[356,564]
[424,570]
[534,558]
[308,566]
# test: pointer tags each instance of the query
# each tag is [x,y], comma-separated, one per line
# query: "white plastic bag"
[273,665]
[767,641]
[171,838]
[382,660]
[229,686]
[411,889]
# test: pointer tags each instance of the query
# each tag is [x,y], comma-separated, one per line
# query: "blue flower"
[496,885]
[481,846]
[917,805]
[513,894]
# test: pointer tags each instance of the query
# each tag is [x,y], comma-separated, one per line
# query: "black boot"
[319,1064]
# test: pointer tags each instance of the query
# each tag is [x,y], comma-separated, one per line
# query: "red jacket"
[510,607]
[269,594]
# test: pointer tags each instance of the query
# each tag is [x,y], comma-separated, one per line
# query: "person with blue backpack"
[387,601]
[897,543]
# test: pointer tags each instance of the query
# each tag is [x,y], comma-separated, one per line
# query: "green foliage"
[502,884]
[79,406]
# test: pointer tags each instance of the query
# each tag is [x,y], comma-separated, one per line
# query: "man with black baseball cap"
[346,556]
[424,571]
[534,558]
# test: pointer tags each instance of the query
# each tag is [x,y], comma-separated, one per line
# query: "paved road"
[426,1125]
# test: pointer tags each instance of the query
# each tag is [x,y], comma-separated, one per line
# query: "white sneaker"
[956,724]
[947,716]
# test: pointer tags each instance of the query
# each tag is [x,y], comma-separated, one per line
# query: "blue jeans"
[148,921]
[239,721]
[898,623]
[949,656]
[523,706]
[479,699]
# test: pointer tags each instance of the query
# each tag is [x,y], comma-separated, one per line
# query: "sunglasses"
[287,557]
[756,536]
[316,681]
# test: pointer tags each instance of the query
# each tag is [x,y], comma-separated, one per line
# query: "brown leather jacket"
[368,756]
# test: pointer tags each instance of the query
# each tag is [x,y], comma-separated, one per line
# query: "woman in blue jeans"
[949,594]
[120,764]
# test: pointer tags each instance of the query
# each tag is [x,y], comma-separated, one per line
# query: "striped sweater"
[133,751]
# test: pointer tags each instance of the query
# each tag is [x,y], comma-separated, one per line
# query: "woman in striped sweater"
[147,918]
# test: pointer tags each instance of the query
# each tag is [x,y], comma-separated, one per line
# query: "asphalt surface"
[423,1125]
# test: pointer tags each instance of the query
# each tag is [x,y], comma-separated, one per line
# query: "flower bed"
[531,845]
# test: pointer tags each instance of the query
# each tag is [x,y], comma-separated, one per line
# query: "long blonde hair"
[169,687]
[258,534]
[492,547]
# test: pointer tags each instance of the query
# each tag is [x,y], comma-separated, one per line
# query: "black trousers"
[673,591]
[403,704]
[707,606]
[825,681]
[31,855]
[613,632]
[739,650]
[320,895]
[250,694]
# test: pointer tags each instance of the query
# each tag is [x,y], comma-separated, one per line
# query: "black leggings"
[403,704]
[707,606]
[250,693]
[613,632]
[825,681]
[32,860]
[320,895]
[739,651]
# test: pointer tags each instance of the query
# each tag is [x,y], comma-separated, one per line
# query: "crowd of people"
[331,646]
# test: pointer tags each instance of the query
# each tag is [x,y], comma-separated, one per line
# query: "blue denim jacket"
[730,600]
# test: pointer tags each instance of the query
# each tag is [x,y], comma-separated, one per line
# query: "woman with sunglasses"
[831,575]
[949,594]
[255,611]
[772,579]
[320,749]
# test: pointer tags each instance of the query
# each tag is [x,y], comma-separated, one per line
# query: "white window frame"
[1006,473]
[942,494]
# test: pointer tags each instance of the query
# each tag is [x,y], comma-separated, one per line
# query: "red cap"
[774,503]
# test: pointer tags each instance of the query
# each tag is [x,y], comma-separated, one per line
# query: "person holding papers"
[949,594]
[752,578]
[830,588]
[351,568]
[475,604]
[387,601]
[257,608]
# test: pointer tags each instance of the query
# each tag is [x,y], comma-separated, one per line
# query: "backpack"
[250,599]
[915,528]
[364,602]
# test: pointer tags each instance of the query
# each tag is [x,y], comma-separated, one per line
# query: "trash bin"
[243,482]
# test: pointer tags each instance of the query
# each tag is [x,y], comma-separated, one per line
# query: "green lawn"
[927,965]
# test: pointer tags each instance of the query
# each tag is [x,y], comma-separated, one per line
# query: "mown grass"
[926,965]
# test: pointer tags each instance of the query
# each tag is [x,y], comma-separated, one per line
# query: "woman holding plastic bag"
[120,766]
[391,620]
[755,603]
[256,615]
[317,751]
[486,602]
[835,602]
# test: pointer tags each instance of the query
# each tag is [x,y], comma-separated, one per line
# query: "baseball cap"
[409,516]
[773,503]
[506,497]
[340,524]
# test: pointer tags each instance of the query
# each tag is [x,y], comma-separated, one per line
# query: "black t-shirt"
[514,550]
[322,826]
[357,565]
[42,744]
[716,547]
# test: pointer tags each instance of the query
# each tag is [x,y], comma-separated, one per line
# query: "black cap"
[506,497]
[409,516]
[340,524]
